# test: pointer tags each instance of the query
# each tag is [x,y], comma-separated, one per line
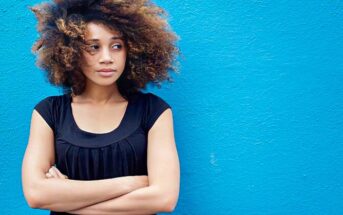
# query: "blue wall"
[258,105]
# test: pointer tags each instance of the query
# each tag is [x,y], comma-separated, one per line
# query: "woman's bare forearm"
[64,194]
[147,200]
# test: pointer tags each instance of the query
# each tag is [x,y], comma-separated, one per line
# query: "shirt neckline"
[117,129]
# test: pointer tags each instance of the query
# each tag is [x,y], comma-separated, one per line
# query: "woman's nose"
[106,56]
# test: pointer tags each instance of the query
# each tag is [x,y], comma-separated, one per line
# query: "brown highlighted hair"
[151,44]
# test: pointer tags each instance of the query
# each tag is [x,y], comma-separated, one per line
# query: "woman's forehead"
[98,31]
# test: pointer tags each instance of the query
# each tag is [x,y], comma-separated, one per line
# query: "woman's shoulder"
[48,107]
[154,105]
[51,103]
[150,99]
[52,100]
[53,97]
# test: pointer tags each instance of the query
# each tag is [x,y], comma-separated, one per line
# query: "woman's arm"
[148,200]
[63,194]
[164,176]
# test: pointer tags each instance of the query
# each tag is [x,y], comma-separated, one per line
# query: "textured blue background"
[258,105]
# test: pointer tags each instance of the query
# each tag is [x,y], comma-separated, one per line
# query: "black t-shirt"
[82,155]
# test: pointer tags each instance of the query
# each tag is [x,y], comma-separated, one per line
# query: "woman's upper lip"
[106,70]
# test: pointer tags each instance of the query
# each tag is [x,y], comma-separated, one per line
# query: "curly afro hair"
[147,36]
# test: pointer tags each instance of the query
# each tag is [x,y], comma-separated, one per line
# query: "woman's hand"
[55,173]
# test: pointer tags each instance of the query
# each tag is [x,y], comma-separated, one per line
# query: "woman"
[90,150]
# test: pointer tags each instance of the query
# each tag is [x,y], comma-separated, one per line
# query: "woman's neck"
[100,95]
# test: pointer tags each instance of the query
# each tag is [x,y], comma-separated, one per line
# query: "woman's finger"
[53,172]
[59,172]
[48,175]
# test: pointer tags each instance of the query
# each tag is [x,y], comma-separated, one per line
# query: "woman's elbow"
[32,198]
[33,195]
[170,202]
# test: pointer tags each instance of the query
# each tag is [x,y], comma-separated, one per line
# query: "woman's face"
[104,60]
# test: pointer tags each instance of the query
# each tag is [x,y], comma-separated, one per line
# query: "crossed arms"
[157,192]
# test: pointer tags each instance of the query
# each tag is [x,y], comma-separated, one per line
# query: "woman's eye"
[117,45]
[93,47]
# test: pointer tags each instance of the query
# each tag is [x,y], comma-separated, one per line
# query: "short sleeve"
[45,109]
[155,107]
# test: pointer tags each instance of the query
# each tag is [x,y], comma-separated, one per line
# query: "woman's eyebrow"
[112,38]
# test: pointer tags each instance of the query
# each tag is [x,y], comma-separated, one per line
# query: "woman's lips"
[106,72]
